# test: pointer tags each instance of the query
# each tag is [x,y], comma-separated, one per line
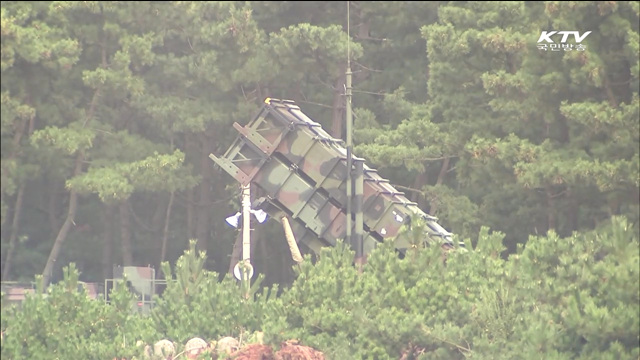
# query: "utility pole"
[353,202]
[247,270]
[349,120]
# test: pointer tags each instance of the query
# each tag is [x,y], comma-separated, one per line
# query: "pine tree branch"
[315,103]
[409,189]
[369,92]
[430,159]
[367,68]
[427,332]
[138,220]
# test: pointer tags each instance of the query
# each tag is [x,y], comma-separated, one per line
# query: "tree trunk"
[443,171]
[14,233]
[5,229]
[338,105]
[190,149]
[165,233]
[64,230]
[16,144]
[157,221]
[125,233]
[204,196]
[263,93]
[107,242]
[73,197]
[609,91]
[190,211]
[219,212]
[573,210]
[53,207]
[551,210]
[420,181]
[441,176]
[363,32]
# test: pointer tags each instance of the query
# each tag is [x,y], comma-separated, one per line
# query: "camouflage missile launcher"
[303,172]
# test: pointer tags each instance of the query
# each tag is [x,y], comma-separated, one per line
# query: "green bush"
[64,323]
[572,298]
[556,298]
[195,303]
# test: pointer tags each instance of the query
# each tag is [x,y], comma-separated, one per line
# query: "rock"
[164,348]
[195,347]
[227,346]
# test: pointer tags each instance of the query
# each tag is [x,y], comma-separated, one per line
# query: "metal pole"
[246,237]
[359,230]
[349,120]
[246,223]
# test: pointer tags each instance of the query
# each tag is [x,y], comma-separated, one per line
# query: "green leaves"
[26,37]
[573,297]
[159,172]
[197,303]
[64,322]
[309,44]
[68,140]
[12,110]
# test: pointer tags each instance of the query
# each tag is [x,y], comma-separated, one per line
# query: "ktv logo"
[545,42]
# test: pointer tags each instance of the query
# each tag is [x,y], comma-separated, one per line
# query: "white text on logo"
[546,36]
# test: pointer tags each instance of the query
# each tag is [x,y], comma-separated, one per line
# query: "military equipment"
[303,170]
[140,280]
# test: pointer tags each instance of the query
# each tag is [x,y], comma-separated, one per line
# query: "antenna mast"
[349,120]
[353,202]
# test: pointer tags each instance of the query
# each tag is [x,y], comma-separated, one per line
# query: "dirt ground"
[287,351]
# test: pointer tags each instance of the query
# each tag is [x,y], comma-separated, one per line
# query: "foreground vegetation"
[576,297]
[110,110]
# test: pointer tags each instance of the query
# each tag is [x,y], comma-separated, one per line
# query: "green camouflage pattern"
[303,171]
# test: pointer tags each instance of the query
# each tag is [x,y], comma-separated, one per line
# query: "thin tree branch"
[558,194]
[315,103]
[333,88]
[367,68]
[409,189]
[371,38]
[426,331]
[429,159]
[138,220]
[369,92]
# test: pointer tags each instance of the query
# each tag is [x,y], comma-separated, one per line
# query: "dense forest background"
[110,110]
